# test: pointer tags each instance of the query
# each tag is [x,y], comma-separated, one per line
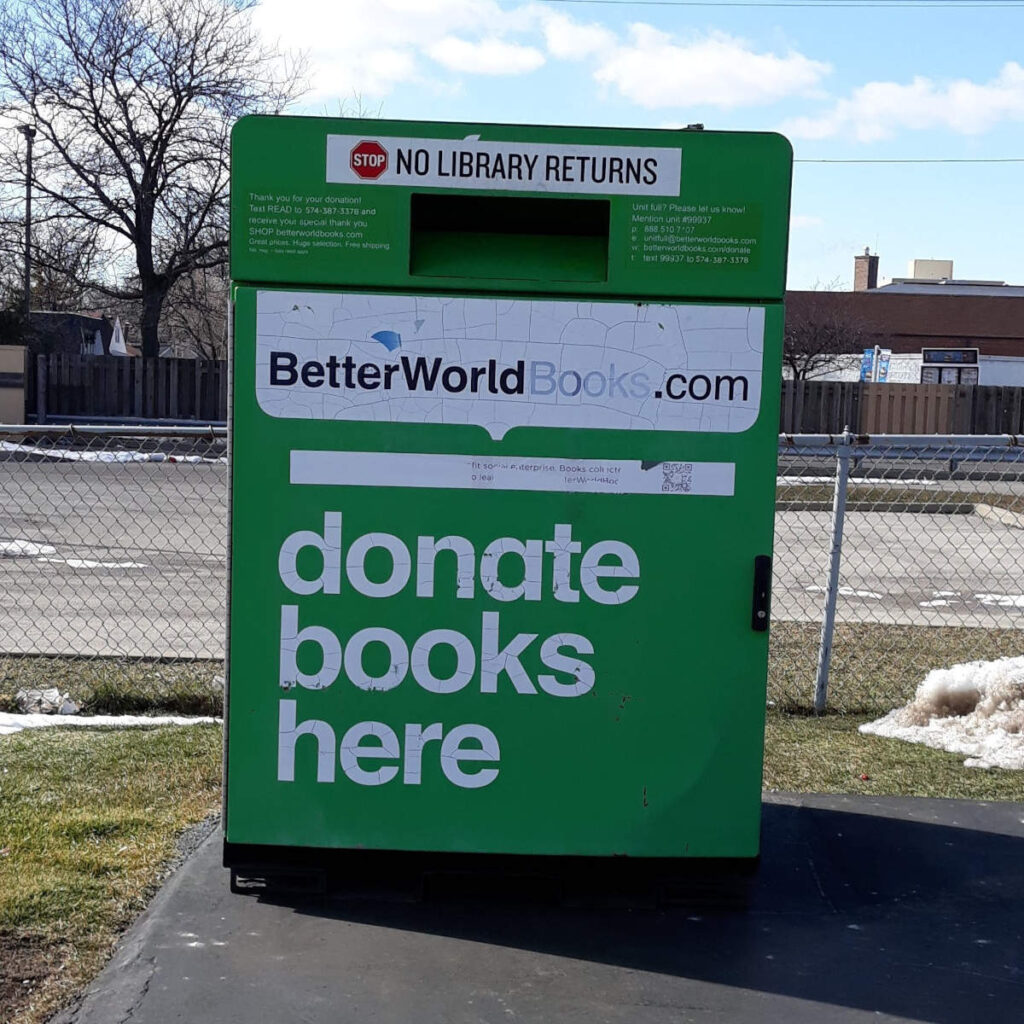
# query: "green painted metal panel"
[712,224]
[492,541]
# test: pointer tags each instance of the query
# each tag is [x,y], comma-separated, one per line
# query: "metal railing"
[893,555]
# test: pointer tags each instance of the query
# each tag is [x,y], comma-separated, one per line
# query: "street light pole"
[30,133]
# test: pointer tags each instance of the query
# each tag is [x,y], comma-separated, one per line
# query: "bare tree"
[197,314]
[11,281]
[820,326]
[355,106]
[15,329]
[133,102]
[64,256]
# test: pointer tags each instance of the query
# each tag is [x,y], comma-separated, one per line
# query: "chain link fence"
[112,564]
[930,568]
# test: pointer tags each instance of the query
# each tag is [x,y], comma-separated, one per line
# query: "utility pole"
[30,133]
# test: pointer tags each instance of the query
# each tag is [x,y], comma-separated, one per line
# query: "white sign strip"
[472,163]
[512,473]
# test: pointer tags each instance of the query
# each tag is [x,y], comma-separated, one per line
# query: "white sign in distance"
[505,363]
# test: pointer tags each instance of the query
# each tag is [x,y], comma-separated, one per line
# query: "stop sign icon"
[368,159]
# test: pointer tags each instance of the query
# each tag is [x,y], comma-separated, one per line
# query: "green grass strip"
[87,820]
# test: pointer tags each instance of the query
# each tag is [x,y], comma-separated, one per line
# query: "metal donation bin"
[504,417]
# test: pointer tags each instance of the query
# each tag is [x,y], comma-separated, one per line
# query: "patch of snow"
[1001,600]
[870,481]
[49,701]
[796,480]
[87,563]
[45,553]
[937,603]
[893,484]
[847,592]
[12,723]
[68,455]
[976,708]
[24,549]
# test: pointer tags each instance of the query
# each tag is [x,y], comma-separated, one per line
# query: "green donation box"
[503,433]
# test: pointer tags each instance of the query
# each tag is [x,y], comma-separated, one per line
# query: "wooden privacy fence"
[114,387]
[827,407]
[119,387]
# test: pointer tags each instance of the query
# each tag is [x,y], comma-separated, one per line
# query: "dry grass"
[828,755]
[875,667]
[119,687]
[88,819]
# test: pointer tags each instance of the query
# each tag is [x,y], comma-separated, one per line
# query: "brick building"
[926,311]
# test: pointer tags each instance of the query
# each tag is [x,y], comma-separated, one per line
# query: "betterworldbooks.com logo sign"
[410,375]
[505,363]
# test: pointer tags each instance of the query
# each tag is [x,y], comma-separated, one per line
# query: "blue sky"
[917,82]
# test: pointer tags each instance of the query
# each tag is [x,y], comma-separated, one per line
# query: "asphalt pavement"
[863,909]
[130,559]
[902,568]
[122,559]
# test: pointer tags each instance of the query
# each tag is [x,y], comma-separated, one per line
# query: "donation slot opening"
[509,237]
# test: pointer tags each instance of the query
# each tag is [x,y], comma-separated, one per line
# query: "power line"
[966,5]
[920,160]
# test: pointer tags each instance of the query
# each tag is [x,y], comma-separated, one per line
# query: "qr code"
[676,477]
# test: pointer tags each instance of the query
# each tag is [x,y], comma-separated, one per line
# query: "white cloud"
[878,110]
[655,70]
[568,39]
[368,47]
[800,221]
[486,57]
[375,72]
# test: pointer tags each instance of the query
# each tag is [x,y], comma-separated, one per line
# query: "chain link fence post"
[828,621]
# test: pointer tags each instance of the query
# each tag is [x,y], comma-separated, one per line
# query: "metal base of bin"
[323,874]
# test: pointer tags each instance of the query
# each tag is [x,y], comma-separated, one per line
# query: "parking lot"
[129,559]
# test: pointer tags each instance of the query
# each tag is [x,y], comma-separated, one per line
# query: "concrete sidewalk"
[863,909]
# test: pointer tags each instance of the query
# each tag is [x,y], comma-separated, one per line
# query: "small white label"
[506,166]
[511,473]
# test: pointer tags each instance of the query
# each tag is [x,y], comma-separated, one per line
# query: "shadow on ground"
[911,918]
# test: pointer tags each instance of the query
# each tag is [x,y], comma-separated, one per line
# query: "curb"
[1004,516]
[933,508]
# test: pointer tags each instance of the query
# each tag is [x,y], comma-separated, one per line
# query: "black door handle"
[762,593]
